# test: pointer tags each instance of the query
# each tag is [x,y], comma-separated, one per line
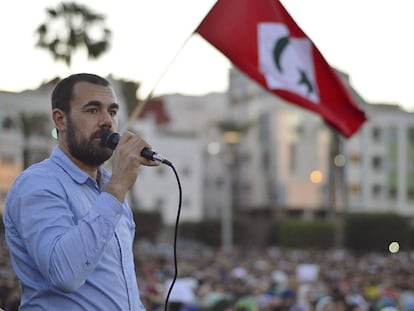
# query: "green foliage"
[375,231]
[274,234]
[148,224]
[71,26]
[313,234]
[209,231]
[411,238]
[129,90]
[30,124]
[33,123]
[198,231]
[362,232]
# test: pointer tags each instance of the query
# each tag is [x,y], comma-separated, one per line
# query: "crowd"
[9,286]
[276,279]
[270,280]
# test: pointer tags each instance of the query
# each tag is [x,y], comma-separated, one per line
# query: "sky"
[153,44]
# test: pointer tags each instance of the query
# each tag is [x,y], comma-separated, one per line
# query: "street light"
[214,149]
[232,132]
[231,137]
[316,176]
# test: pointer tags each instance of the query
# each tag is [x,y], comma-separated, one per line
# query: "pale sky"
[371,40]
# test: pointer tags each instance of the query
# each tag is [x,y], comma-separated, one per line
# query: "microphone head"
[110,139]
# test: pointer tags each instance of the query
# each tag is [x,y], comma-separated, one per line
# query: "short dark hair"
[62,94]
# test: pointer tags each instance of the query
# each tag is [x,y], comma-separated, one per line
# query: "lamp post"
[232,139]
[232,132]
[226,218]
[337,187]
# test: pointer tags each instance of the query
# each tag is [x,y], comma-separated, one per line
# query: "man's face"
[93,110]
[85,149]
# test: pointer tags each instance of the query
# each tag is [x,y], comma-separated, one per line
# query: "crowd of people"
[9,284]
[278,279]
[249,280]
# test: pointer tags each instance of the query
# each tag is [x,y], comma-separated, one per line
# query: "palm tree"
[71,26]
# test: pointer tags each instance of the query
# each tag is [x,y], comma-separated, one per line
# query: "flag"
[262,40]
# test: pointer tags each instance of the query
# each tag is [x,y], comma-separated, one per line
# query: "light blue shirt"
[71,243]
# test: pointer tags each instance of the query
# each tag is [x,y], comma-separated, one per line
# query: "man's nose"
[106,119]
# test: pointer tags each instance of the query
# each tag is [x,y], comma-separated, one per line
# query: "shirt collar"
[61,159]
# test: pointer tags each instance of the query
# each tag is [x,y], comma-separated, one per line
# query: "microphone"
[111,139]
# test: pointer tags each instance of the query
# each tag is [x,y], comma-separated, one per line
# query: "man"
[68,225]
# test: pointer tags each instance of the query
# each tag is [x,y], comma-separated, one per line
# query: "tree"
[71,26]
[29,125]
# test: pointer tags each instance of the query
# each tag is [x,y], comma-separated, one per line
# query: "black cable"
[110,140]
[175,236]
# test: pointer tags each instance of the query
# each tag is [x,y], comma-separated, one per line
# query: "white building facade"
[380,169]
[286,163]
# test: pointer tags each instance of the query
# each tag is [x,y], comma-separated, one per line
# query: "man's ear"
[59,118]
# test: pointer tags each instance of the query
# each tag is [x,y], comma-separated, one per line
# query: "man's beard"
[88,151]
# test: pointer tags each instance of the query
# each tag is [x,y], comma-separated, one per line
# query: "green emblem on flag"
[280,46]
[286,62]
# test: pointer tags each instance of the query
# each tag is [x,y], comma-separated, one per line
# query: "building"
[283,145]
[180,128]
[380,169]
[286,162]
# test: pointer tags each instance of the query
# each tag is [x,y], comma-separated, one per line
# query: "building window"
[410,135]
[7,123]
[377,162]
[354,190]
[376,190]
[392,193]
[354,159]
[376,134]
[410,194]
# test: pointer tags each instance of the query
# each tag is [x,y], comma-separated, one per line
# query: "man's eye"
[113,113]
[93,111]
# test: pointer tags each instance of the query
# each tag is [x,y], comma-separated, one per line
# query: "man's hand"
[125,163]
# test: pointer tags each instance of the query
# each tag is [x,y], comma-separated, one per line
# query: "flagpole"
[138,108]
[141,104]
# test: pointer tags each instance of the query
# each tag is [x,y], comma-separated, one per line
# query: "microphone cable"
[110,140]
[175,235]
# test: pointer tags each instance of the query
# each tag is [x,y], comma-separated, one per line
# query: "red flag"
[262,40]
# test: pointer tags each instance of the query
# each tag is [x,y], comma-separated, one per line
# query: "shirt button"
[118,216]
